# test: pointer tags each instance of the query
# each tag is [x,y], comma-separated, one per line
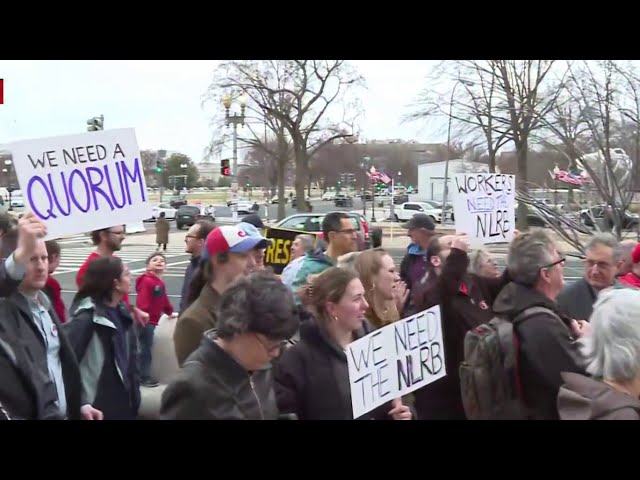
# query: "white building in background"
[208,171]
[431,178]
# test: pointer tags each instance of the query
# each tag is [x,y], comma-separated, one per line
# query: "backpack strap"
[512,362]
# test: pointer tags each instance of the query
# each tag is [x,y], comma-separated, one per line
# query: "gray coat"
[576,300]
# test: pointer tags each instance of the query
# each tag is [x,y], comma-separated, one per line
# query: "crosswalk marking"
[72,258]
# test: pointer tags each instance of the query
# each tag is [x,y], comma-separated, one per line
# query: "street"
[73,255]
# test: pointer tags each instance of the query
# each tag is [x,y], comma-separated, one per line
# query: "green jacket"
[314,262]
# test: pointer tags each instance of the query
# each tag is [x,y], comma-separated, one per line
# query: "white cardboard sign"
[84,182]
[395,360]
[484,207]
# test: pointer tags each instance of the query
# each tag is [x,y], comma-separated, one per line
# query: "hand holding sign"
[399,411]
[30,229]
[461,242]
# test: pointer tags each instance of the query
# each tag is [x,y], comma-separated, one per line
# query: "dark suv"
[188,215]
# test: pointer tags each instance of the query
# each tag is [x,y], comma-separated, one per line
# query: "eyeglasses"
[348,231]
[121,233]
[187,237]
[271,349]
[557,262]
[601,265]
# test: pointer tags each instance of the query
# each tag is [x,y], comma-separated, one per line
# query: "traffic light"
[96,123]
[159,166]
[225,169]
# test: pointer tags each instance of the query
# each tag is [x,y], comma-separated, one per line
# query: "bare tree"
[305,102]
[600,94]
[472,111]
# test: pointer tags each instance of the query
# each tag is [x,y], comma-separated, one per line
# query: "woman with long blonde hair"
[385,293]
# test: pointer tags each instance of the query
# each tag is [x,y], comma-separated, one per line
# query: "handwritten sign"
[278,254]
[79,183]
[484,207]
[395,360]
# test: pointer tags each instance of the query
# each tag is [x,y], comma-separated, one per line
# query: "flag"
[566,177]
[379,177]
[1,91]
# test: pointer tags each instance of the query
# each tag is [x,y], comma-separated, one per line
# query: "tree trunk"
[282,165]
[301,176]
[492,161]
[521,183]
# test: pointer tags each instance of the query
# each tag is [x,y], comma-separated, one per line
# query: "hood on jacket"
[318,256]
[583,398]
[147,277]
[515,298]
[415,249]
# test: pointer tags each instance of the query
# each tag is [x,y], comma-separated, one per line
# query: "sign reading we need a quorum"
[84,182]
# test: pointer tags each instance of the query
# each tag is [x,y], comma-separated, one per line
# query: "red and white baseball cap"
[232,239]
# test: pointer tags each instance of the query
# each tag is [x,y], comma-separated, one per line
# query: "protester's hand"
[461,242]
[30,229]
[446,241]
[399,411]
[174,315]
[87,412]
[516,233]
[141,317]
[400,294]
[580,328]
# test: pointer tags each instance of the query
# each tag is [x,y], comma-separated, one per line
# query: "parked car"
[169,211]
[188,215]
[407,210]
[294,202]
[177,201]
[328,196]
[312,223]
[274,200]
[342,200]
[597,212]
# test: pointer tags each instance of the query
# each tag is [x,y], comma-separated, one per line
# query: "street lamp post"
[446,165]
[235,120]
[373,194]
[9,169]
[184,167]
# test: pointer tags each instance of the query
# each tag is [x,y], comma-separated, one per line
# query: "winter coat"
[212,385]
[576,300]
[314,262]
[546,348]
[162,230]
[200,317]
[108,359]
[312,378]
[152,297]
[465,302]
[584,398]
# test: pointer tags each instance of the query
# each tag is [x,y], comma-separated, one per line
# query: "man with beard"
[108,241]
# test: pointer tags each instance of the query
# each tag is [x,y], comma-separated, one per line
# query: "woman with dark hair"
[228,377]
[312,377]
[102,336]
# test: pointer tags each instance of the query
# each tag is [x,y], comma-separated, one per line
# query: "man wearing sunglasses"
[546,338]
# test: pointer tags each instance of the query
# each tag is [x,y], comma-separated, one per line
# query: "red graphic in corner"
[1,91]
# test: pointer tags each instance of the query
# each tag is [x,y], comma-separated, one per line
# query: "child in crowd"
[52,288]
[151,298]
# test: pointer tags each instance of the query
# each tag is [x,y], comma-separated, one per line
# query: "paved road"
[73,255]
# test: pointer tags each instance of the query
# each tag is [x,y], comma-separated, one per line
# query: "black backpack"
[489,376]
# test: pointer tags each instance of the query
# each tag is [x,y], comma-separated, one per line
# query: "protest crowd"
[252,344]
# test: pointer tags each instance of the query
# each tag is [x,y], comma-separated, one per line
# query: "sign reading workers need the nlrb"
[84,182]
[484,207]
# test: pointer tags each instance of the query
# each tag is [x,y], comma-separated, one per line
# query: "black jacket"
[105,386]
[16,315]
[312,378]
[212,385]
[26,393]
[462,309]
[547,348]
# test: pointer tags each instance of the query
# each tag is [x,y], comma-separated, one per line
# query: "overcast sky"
[162,100]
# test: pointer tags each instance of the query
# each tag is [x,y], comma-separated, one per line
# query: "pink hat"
[233,239]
